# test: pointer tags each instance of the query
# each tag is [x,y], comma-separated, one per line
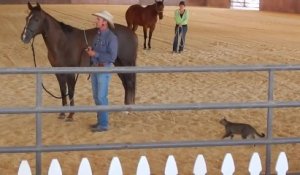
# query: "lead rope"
[178,33]
[51,94]
[87,44]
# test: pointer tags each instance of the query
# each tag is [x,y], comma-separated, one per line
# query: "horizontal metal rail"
[149,107]
[147,145]
[160,69]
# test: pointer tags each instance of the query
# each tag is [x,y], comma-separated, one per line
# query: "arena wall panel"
[40,1]
[291,6]
[218,3]
[119,2]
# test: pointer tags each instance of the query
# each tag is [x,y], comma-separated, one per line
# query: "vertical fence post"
[269,121]
[38,123]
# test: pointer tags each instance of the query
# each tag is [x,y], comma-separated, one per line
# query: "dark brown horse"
[136,15]
[66,46]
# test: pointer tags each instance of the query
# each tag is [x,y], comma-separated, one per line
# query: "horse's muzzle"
[25,40]
[26,36]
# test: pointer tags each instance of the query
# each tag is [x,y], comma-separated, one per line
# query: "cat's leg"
[227,134]
[244,135]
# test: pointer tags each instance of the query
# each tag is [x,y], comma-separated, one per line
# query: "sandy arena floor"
[215,37]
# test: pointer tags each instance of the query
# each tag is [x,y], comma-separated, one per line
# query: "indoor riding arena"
[218,36]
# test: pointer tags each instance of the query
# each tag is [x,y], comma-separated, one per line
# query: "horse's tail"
[132,76]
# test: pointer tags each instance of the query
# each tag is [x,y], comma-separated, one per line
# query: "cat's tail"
[260,135]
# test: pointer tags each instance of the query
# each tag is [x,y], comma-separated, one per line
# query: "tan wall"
[40,1]
[291,6]
[196,2]
[218,3]
[119,2]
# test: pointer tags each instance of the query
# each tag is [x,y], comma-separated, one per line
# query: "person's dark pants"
[180,33]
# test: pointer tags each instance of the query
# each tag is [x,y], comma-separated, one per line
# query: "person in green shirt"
[181,27]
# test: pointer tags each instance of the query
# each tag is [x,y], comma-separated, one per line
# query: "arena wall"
[291,6]
[120,2]
[218,3]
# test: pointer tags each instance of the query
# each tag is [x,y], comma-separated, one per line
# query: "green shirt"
[181,20]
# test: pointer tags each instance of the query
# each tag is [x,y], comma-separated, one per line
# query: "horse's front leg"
[63,90]
[71,81]
[150,36]
[145,36]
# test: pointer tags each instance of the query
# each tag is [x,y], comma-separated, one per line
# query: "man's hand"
[90,51]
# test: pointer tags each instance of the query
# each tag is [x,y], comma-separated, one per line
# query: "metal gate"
[269,104]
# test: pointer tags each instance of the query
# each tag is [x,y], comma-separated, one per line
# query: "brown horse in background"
[66,45]
[144,16]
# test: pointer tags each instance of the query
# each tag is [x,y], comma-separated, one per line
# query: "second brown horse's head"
[160,8]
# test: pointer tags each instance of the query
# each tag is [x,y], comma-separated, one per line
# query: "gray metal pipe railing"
[149,107]
[147,145]
[159,69]
[39,108]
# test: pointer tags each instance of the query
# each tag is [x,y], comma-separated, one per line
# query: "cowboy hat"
[107,16]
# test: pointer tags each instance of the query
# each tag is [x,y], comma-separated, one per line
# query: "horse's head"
[34,23]
[160,8]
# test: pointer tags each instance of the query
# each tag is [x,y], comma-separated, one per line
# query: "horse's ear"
[38,6]
[29,6]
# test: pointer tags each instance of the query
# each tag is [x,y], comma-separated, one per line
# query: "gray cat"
[243,129]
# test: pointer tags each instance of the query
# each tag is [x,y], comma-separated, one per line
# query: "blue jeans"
[179,30]
[100,84]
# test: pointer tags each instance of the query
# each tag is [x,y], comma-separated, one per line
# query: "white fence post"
[143,167]
[255,164]
[24,168]
[85,167]
[54,168]
[228,167]
[171,166]
[282,165]
[200,166]
[115,167]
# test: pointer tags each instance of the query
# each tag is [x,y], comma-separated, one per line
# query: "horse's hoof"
[126,112]
[69,119]
[61,116]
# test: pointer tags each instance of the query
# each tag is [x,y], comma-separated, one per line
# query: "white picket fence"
[143,168]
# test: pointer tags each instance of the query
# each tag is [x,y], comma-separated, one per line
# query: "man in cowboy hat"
[103,53]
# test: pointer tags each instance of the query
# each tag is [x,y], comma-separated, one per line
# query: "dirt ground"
[215,37]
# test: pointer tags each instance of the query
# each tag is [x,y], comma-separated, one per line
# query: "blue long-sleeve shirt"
[105,45]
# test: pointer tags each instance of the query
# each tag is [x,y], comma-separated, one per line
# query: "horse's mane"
[65,27]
